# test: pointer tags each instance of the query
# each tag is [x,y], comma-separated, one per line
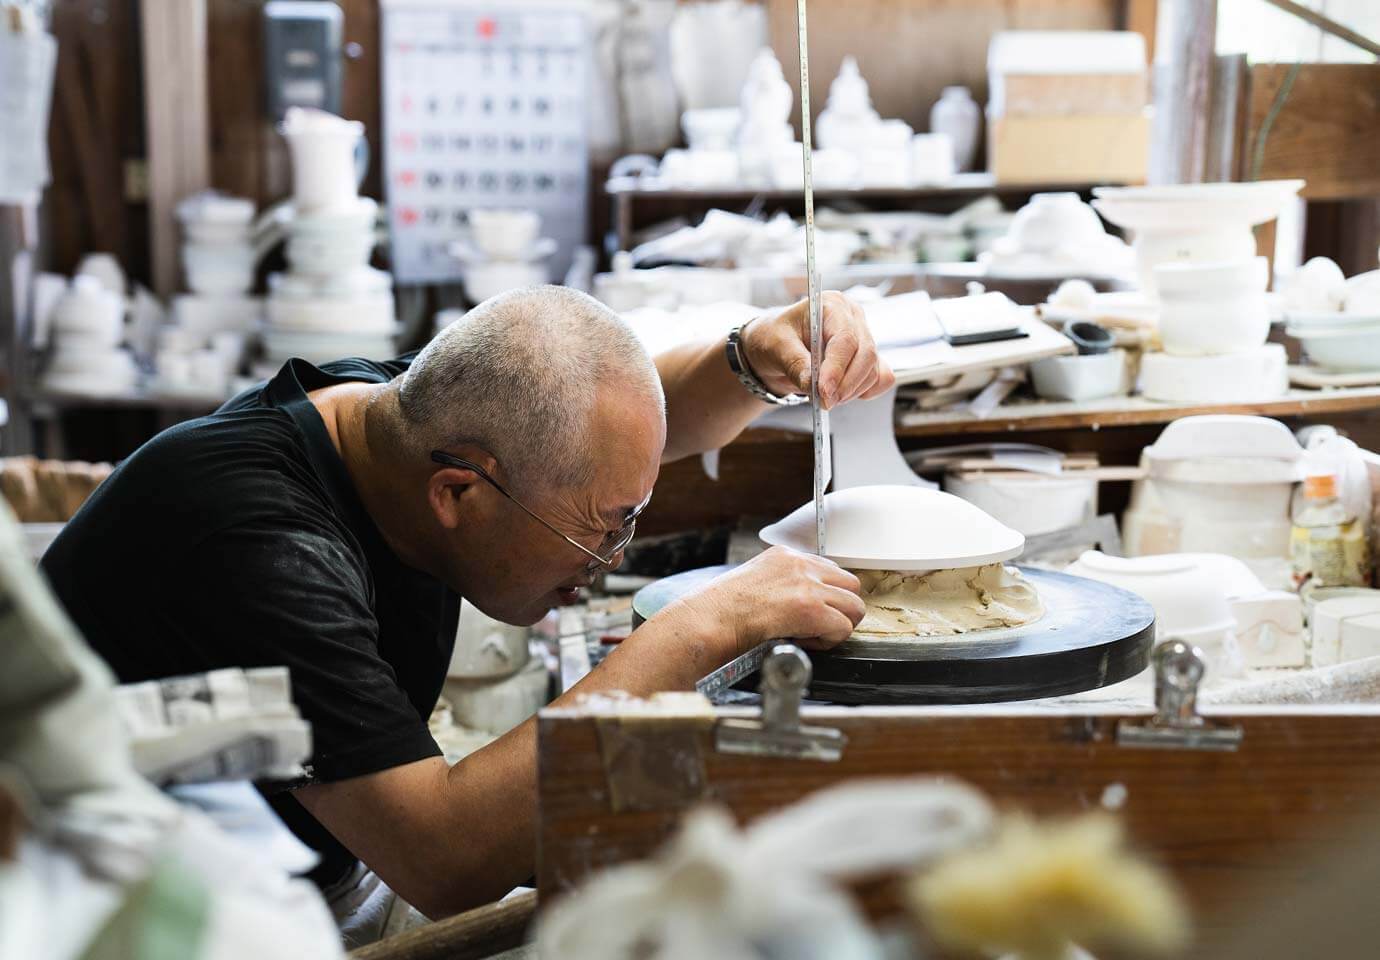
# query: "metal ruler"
[819,416]
[743,665]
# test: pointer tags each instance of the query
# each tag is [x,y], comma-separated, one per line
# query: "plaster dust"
[945,603]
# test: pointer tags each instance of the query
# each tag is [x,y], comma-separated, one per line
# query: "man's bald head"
[520,376]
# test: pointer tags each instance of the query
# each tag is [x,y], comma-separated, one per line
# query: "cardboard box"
[1062,94]
[1054,149]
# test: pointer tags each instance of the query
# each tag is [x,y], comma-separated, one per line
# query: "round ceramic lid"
[899,528]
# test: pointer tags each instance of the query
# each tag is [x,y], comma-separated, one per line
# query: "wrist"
[746,365]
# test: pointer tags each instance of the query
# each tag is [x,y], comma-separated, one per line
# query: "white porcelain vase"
[957,114]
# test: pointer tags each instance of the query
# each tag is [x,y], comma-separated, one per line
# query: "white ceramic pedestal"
[863,439]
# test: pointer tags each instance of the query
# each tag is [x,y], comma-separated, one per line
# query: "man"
[331,520]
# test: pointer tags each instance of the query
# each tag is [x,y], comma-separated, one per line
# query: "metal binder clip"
[785,678]
[1177,724]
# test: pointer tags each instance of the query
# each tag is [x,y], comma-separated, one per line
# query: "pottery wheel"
[1091,635]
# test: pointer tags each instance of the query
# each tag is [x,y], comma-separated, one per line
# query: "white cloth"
[367,910]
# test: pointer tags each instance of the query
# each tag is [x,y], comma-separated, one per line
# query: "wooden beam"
[1323,129]
[176,122]
[473,935]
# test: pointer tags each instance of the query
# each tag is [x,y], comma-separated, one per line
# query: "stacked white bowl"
[1338,320]
[505,252]
[218,253]
[1214,321]
[1196,222]
[330,303]
[88,330]
[202,350]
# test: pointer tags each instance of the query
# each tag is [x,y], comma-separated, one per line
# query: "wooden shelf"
[50,401]
[625,193]
[1033,415]
[963,184]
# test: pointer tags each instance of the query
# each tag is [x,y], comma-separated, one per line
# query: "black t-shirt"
[238,540]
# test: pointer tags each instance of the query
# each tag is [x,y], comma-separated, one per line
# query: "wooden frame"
[1232,827]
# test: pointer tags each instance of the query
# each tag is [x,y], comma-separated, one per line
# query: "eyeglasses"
[614,541]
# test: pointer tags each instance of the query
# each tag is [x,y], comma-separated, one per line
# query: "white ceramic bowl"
[1212,308]
[899,528]
[1185,207]
[1189,591]
[504,233]
[327,255]
[1245,377]
[210,217]
[106,268]
[1363,293]
[1331,322]
[207,315]
[1189,282]
[351,283]
[219,270]
[1212,328]
[1344,350]
[367,314]
[710,128]
[1051,221]
[314,347]
[487,279]
[1086,377]
[1319,286]
[358,216]
[89,313]
[1031,504]
[701,168]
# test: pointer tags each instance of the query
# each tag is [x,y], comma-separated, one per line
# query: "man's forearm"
[706,406]
[448,840]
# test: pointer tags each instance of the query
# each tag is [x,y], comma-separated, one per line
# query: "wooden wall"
[909,49]
[97,198]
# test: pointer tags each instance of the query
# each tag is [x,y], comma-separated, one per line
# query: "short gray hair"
[518,376]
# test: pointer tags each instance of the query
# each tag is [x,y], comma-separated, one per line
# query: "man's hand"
[778,350]
[781,593]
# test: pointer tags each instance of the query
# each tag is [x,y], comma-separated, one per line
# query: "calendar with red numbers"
[484,105]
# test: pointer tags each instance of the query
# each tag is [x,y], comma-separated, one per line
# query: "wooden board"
[176,121]
[1325,131]
[1237,829]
